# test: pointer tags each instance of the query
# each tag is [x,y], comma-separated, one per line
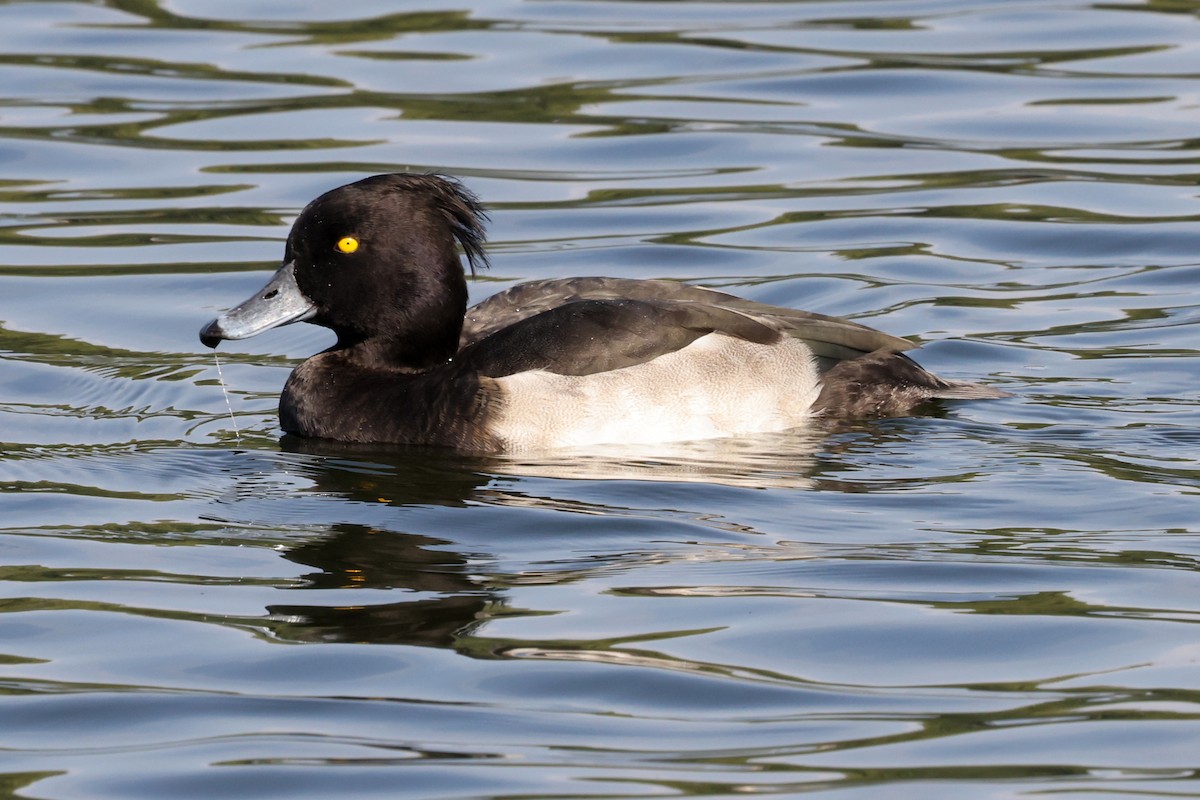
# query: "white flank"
[717,386]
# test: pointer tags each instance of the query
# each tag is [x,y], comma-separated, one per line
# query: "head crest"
[467,219]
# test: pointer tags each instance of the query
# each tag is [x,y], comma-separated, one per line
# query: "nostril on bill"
[271,294]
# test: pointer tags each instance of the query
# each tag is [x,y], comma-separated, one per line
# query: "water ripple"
[987,599]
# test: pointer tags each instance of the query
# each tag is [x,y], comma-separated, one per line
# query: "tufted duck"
[546,364]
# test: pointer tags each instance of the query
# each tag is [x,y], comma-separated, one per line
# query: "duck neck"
[420,330]
[397,353]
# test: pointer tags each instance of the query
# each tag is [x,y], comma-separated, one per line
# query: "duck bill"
[280,302]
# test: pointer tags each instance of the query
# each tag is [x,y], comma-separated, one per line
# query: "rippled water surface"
[991,600]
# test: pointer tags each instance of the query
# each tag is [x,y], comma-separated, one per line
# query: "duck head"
[377,263]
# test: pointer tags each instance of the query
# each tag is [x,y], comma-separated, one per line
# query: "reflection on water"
[359,557]
[760,461]
[987,600]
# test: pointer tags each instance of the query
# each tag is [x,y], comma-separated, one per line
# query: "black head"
[375,261]
[379,262]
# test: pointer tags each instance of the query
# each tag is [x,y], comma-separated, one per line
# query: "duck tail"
[888,384]
[961,390]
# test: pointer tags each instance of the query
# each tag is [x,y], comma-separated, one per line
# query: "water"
[990,601]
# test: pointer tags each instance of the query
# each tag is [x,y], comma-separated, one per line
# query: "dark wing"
[590,336]
[832,339]
[527,299]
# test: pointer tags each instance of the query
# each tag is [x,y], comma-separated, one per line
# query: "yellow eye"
[347,244]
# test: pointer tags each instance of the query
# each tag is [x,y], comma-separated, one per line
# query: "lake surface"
[993,600]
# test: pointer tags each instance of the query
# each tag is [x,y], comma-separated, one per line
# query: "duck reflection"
[772,460]
[364,557]
[445,595]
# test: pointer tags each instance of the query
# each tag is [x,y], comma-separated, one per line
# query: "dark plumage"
[547,363]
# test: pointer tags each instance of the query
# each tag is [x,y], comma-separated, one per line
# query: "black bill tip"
[211,334]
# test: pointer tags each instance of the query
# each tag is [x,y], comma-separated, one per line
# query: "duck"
[547,364]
